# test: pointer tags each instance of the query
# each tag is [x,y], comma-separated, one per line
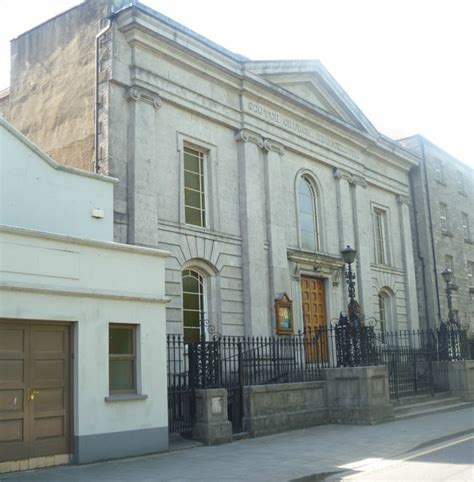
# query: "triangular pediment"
[312,83]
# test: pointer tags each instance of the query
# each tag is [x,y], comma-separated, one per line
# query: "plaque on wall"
[284,315]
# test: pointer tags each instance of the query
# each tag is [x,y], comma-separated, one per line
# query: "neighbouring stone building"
[253,174]
[442,213]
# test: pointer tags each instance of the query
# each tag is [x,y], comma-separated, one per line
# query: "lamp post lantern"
[447,275]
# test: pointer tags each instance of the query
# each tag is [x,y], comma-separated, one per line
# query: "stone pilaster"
[408,261]
[142,172]
[279,276]
[253,222]
[344,208]
[363,235]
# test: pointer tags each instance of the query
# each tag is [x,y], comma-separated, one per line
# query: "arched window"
[385,311]
[193,304]
[307,215]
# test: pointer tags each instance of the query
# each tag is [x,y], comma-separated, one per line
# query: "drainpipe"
[431,228]
[97,45]
[417,237]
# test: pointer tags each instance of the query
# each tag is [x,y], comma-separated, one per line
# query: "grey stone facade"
[441,182]
[262,126]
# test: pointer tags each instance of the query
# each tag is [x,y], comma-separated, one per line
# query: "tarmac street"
[313,454]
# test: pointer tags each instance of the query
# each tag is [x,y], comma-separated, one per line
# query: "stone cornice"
[137,93]
[323,260]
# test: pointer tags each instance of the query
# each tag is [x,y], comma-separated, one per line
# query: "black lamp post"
[447,275]
[348,255]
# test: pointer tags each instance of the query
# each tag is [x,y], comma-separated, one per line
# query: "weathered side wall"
[52,84]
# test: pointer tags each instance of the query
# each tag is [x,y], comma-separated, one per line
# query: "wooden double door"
[314,319]
[34,390]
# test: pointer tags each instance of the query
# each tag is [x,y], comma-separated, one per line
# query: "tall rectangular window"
[443,216]
[380,241]
[122,358]
[438,170]
[194,188]
[470,273]
[460,182]
[465,225]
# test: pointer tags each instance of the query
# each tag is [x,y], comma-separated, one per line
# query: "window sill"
[125,397]
[471,289]
[448,234]
[469,241]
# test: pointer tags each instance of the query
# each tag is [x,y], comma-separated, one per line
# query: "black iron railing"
[234,362]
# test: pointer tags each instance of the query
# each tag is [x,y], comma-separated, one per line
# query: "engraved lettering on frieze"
[301,129]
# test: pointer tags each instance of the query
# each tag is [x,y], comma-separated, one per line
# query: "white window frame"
[443,217]
[136,357]
[211,212]
[384,213]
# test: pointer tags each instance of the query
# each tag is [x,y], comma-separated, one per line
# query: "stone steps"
[427,405]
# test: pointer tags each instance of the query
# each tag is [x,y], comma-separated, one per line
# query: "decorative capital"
[342,174]
[246,135]
[359,181]
[136,93]
[270,145]
[401,199]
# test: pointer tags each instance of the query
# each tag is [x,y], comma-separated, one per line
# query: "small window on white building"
[465,226]
[307,215]
[122,358]
[443,216]
[194,187]
[380,231]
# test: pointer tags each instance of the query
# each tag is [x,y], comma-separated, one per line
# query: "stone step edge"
[446,408]
[430,403]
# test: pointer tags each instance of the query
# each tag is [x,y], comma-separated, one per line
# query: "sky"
[407,64]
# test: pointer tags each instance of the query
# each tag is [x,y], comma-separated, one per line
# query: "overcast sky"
[407,64]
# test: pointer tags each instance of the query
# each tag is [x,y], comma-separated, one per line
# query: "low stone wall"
[287,406]
[358,395]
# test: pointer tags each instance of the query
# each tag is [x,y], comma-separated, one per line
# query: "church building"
[254,175]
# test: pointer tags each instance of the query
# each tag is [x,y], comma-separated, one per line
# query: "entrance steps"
[428,405]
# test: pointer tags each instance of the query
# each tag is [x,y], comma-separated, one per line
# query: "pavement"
[312,454]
